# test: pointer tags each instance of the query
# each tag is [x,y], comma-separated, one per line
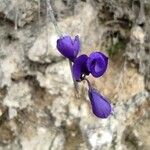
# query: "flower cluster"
[83,65]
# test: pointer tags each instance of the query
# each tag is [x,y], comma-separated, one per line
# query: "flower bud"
[100,105]
[69,47]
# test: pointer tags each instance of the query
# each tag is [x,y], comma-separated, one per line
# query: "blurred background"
[38,106]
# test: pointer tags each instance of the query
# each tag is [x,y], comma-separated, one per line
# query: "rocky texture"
[38,106]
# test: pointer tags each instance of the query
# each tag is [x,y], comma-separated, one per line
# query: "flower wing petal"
[97,64]
[79,67]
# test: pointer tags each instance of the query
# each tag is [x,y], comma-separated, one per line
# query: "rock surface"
[38,106]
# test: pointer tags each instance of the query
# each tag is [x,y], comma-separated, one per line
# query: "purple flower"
[80,67]
[100,105]
[97,64]
[69,47]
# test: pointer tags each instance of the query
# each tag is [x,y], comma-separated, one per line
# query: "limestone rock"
[39,109]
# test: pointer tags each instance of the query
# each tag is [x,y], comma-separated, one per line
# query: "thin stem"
[47,14]
[16,17]
[74,81]
[39,11]
[53,19]
[88,82]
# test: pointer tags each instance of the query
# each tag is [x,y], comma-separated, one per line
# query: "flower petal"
[100,105]
[97,63]
[76,45]
[79,67]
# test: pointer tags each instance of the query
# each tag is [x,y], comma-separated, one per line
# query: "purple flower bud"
[80,67]
[69,47]
[97,64]
[100,105]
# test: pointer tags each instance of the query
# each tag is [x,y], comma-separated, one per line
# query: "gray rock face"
[38,106]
